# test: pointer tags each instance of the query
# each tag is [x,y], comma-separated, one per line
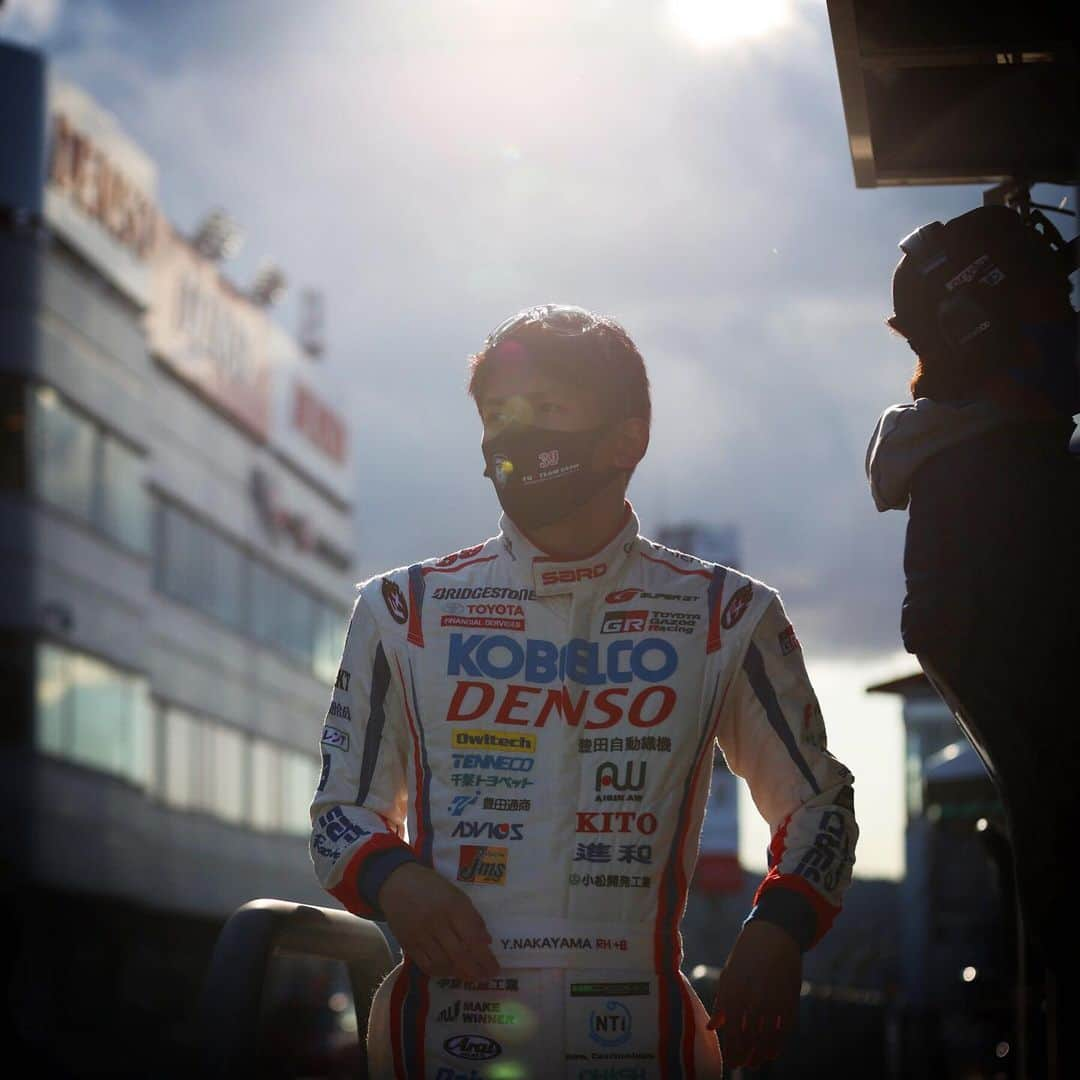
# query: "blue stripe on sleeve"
[754,666]
[380,683]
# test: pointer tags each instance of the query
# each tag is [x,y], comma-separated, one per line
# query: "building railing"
[252,936]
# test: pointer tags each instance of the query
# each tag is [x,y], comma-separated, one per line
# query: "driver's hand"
[757,995]
[436,924]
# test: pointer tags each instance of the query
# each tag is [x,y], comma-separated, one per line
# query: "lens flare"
[710,23]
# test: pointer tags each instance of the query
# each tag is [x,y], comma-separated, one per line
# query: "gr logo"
[624,622]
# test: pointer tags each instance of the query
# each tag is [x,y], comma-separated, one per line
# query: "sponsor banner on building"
[208,333]
[100,190]
[307,428]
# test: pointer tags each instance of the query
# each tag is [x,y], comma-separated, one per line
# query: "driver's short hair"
[604,361]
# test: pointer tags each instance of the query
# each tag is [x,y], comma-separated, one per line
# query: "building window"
[52,712]
[229,568]
[91,713]
[183,561]
[79,467]
[264,603]
[225,764]
[199,567]
[63,454]
[241,779]
[125,514]
[299,777]
[296,622]
[330,627]
[180,779]
[265,785]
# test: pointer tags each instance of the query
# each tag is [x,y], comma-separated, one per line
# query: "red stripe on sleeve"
[346,890]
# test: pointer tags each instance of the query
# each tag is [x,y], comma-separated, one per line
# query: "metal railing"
[256,932]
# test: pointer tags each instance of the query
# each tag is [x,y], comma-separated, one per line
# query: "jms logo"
[482,864]
[611,786]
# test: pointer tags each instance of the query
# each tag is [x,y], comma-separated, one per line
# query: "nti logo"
[624,622]
[612,1026]
[613,787]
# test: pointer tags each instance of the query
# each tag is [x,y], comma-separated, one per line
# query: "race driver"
[517,757]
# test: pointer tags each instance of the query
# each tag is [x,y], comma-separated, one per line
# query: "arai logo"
[472,1047]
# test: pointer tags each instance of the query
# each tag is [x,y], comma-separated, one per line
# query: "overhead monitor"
[963,92]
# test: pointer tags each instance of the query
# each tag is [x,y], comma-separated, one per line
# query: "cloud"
[29,22]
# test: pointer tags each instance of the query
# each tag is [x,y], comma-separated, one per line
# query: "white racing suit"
[542,731]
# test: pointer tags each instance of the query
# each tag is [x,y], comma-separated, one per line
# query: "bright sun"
[726,22]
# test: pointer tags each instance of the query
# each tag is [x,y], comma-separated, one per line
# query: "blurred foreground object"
[253,936]
[981,460]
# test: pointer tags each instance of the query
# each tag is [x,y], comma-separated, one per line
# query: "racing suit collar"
[549,576]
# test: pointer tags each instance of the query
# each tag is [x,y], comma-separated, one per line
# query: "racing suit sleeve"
[358,811]
[772,734]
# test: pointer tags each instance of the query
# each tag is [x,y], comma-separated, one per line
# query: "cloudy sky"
[434,165]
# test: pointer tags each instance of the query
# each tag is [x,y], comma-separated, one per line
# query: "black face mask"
[541,475]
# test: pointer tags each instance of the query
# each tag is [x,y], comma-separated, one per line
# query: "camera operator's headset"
[960,317]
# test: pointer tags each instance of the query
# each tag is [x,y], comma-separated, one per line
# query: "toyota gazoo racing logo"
[608,672]
[625,622]
[472,1047]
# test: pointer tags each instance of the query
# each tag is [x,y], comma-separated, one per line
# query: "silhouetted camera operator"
[981,460]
